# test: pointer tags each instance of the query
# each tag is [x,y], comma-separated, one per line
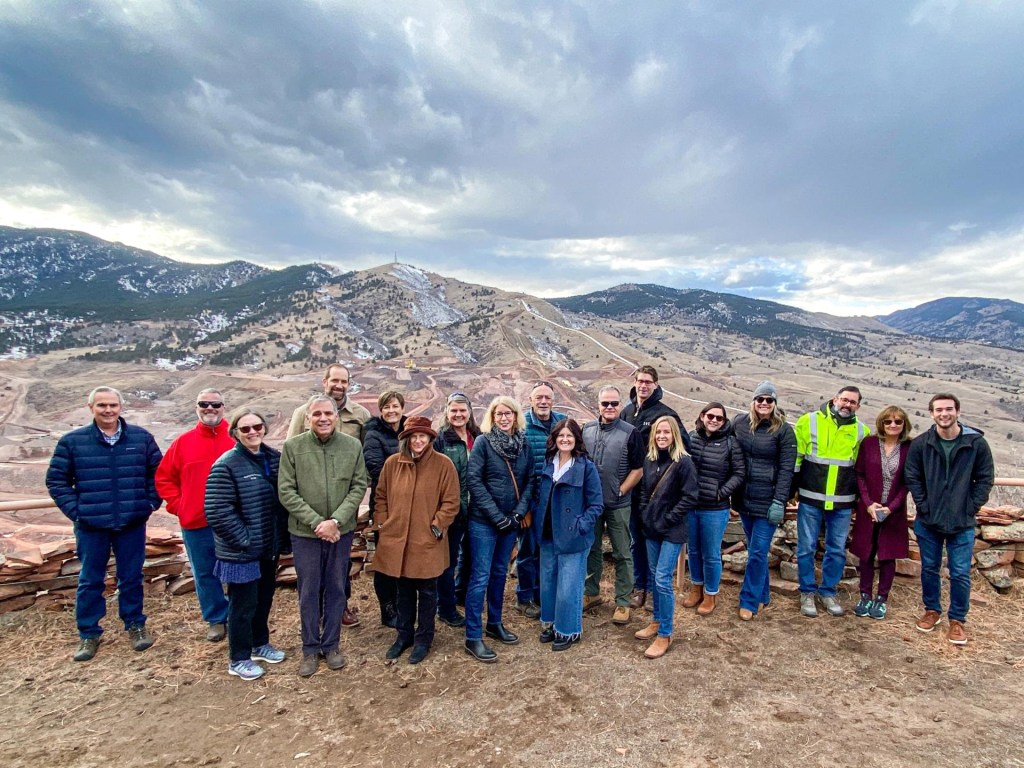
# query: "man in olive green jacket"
[321,483]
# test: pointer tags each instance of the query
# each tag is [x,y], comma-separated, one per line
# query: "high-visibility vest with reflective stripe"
[826,454]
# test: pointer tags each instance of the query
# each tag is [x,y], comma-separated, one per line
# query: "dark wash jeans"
[959,551]
[94,546]
[491,551]
[249,612]
[201,557]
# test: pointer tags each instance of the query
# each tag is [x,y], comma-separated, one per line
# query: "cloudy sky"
[846,157]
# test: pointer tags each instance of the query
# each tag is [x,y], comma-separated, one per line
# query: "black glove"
[508,523]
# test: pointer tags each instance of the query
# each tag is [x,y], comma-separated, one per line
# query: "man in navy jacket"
[101,477]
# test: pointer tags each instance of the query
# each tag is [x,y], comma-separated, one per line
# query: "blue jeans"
[488,571]
[446,588]
[638,548]
[527,567]
[808,526]
[561,589]
[94,547]
[706,529]
[755,591]
[201,556]
[663,556]
[959,551]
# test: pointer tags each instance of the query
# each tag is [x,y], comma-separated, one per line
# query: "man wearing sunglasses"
[827,442]
[618,451]
[181,483]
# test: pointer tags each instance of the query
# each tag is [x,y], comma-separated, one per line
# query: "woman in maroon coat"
[880,528]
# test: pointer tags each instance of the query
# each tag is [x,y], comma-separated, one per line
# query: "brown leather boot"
[695,595]
[647,633]
[658,648]
[707,605]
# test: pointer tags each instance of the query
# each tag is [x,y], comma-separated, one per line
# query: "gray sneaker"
[807,606]
[87,648]
[245,669]
[831,603]
[140,638]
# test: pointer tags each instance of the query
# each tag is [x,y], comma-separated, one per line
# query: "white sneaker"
[807,606]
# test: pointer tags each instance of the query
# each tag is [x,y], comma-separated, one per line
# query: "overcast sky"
[846,157]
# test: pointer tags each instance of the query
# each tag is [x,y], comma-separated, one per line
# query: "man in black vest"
[618,451]
[643,409]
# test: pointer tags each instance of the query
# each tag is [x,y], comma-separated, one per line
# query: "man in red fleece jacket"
[181,483]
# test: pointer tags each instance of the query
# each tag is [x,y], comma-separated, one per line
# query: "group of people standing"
[449,506]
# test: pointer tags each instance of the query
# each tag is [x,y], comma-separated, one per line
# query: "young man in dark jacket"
[950,473]
[101,478]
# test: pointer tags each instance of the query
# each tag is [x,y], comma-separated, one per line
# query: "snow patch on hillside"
[429,306]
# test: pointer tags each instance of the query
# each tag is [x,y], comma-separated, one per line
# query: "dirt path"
[779,691]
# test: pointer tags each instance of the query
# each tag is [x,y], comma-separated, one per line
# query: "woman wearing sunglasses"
[718,458]
[880,527]
[769,452]
[250,531]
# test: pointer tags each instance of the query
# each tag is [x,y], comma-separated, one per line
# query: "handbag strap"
[512,474]
[665,474]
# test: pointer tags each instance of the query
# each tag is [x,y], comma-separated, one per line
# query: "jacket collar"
[207,431]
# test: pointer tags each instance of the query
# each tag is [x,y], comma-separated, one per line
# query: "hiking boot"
[397,649]
[927,622]
[832,605]
[878,609]
[419,653]
[141,639]
[267,653]
[310,664]
[694,596]
[529,609]
[637,599]
[863,608]
[349,619]
[647,633]
[746,614]
[245,669]
[707,605]
[216,632]
[87,648]
[592,601]
[478,650]
[807,606]
[622,614]
[658,648]
[335,660]
[956,634]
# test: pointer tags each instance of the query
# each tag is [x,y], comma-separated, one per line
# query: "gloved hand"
[508,523]
[776,513]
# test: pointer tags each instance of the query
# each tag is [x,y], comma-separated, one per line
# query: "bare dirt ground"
[781,690]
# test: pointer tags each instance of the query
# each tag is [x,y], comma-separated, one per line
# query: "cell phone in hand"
[880,514]
[437,532]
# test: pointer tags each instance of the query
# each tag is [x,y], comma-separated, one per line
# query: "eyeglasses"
[210,404]
[247,428]
[848,401]
[503,414]
[897,422]
[763,400]
[644,382]
[714,417]
[609,403]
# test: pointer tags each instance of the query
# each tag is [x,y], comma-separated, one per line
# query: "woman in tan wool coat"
[417,499]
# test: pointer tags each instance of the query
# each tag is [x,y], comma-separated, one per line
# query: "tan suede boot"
[647,633]
[658,647]
[695,595]
[706,606]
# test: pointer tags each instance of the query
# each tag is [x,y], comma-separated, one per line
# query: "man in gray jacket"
[618,451]
[321,483]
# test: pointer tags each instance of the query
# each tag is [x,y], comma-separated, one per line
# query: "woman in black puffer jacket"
[250,531]
[668,496]
[769,449]
[720,468]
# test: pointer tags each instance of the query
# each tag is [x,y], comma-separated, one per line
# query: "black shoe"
[564,643]
[479,651]
[502,635]
[419,653]
[396,650]
[547,635]
[87,648]
[458,620]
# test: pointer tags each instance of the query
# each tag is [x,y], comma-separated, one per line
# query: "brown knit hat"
[417,424]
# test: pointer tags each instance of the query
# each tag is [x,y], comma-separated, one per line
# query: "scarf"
[508,446]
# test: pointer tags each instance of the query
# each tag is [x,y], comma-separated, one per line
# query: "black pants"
[386,588]
[417,604]
[249,612]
